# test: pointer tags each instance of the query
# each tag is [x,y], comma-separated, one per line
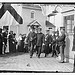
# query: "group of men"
[45,42]
[3,40]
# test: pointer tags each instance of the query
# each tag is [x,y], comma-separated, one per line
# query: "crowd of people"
[46,43]
[35,42]
[9,43]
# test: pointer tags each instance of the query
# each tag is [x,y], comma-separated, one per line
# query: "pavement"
[21,62]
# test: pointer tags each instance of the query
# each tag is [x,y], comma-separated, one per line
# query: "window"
[32,14]
[69,23]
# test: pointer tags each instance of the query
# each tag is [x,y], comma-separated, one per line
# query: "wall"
[27,19]
[26,14]
[69,54]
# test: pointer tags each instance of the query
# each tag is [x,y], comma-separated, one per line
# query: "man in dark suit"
[40,41]
[4,38]
[31,40]
[48,40]
[61,41]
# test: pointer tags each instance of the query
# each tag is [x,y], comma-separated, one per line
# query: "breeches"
[39,50]
[31,50]
[62,52]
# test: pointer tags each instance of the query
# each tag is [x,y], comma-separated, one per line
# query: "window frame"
[32,12]
[71,18]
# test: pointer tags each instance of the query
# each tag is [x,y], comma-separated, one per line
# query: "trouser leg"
[36,50]
[45,50]
[53,50]
[62,53]
[39,51]
[31,50]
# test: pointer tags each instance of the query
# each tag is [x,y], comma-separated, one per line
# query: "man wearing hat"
[31,40]
[4,33]
[61,41]
[1,41]
[48,40]
[39,42]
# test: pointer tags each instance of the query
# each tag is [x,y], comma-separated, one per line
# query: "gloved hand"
[43,44]
[49,45]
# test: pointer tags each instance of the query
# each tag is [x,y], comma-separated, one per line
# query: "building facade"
[68,14]
[30,13]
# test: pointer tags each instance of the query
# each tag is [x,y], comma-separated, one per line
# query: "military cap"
[32,27]
[10,32]
[49,28]
[62,28]
[14,34]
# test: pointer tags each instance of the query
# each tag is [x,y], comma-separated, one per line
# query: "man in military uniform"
[54,44]
[48,40]
[40,41]
[61,41]
[31,40]
[4,33]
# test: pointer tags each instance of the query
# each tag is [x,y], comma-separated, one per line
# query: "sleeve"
[43,38]
[27,38]
[50,39]
[2,37]
[61,38]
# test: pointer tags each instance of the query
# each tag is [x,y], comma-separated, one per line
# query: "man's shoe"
[30,56]
[61,62]
[45,55]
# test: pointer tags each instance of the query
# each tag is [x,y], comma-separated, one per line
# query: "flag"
[10,14]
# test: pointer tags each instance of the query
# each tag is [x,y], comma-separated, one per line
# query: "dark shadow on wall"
[67,50]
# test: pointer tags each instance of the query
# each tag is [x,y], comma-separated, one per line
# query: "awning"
[49,24]
[52,14]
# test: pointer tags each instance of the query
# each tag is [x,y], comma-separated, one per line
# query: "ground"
[22,62]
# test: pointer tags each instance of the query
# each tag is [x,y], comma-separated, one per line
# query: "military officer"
[54,53]
[11,41]
[61,41]
[39,42]
[31,40]
[48,40]
[4,33]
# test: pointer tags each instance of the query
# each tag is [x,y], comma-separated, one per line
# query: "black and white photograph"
[37,37]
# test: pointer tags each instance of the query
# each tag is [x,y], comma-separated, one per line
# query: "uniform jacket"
[61,39]
[31,38]
[4,37]
[40,39]
[53,40]
[48,39]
